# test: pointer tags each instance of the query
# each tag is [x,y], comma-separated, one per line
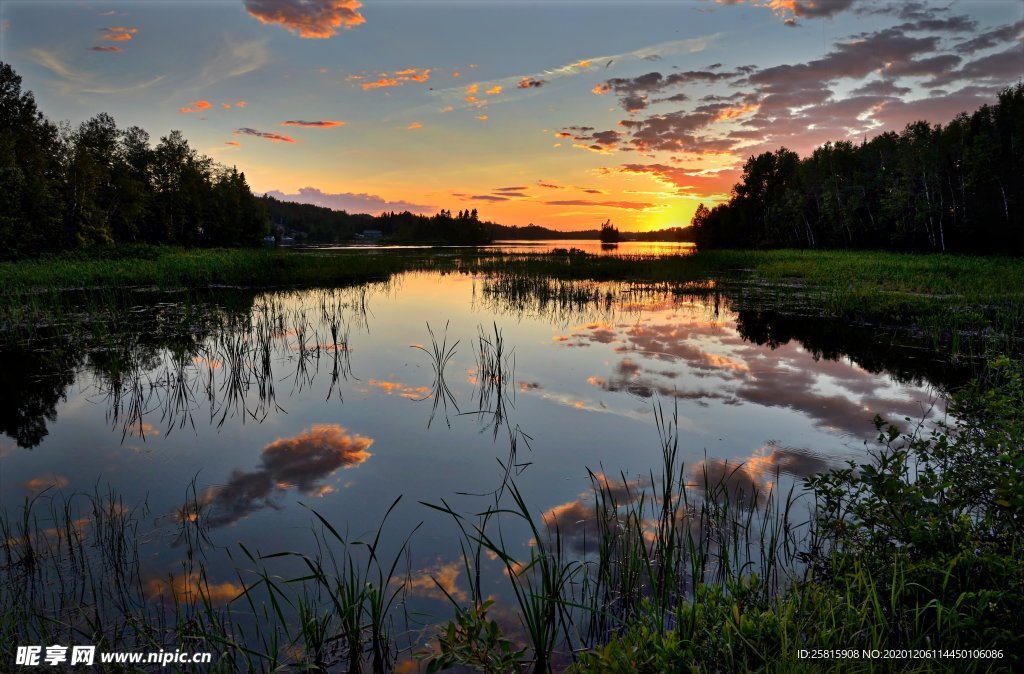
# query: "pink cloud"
[351,202]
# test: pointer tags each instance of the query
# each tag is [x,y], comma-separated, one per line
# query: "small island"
[609,233]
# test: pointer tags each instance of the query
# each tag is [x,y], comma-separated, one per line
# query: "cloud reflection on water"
[835,394]
[301,462]
[746,482]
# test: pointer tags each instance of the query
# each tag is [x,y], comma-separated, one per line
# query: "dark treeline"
[952,188]
[536,232]
[308,223]
[63,188]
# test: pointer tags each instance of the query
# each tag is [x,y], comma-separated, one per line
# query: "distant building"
[372,234]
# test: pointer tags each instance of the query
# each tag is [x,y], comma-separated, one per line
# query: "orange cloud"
[308,18]
[456,74]
[106,48]
[602,88]
[43,482]
[273,137]
[191,587]
[323,124]
[118,33]
[414,125]
[733,113]
[380,83]
[395,79]
[482,117]
[529,82]
[142,430]
[430,582]
[232,143]
[787,9]
[196,106]
[240,104]
[391,387]
[494,91]
[472,89]
[414,74]
[225,105]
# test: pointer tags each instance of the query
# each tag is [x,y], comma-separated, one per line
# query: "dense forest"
[63,188]
[952,188]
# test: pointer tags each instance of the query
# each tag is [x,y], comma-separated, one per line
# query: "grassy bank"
[862,280]
[952,292]
[168,268]
[961,304]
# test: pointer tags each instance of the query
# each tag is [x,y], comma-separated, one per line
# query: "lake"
[245,411]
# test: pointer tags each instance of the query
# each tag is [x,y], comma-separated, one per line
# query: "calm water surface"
[279,399]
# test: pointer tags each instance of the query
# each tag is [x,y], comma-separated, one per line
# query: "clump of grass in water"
[495,371]
[440,355]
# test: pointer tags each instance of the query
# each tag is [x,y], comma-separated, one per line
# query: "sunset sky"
[560,114]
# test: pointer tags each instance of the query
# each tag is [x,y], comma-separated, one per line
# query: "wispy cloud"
[234,60]
[308,18]
[72,81]
[320,124]
[106,48]
[625,205]
[531,82]
[273,137]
